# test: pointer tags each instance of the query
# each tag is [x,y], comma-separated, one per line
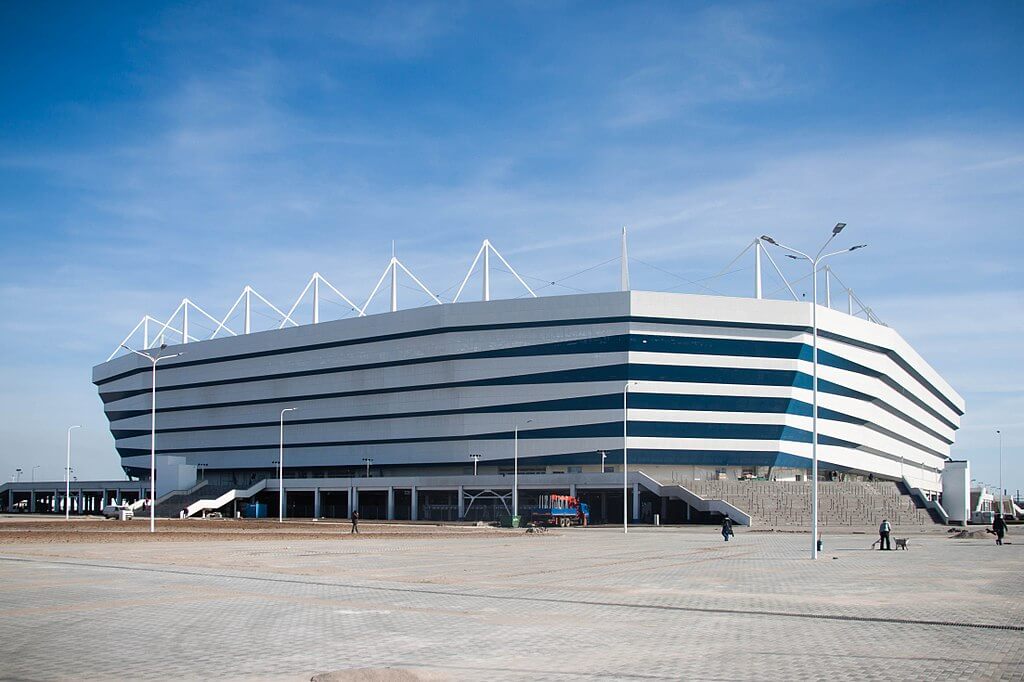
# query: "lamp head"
[789,255]
[859,246]
[163,346]
[766,238]
[838,228]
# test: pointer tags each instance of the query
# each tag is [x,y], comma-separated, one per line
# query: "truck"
[561,510]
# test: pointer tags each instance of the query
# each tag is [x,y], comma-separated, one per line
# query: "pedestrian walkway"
[657,603]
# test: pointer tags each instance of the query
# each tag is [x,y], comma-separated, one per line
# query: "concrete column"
[117,496]
[353,500]
[414,503]
[79,502]
[31,501]
[391,503]
[664,509]
[316,503]
[636,501]
[572,490]
[284,502]
[462,504]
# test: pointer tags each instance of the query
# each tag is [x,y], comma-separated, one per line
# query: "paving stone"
[583,604]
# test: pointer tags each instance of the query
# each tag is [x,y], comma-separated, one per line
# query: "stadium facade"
[717,388]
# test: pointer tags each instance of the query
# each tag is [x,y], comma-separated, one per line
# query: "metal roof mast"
[486,249]
[392,269]
[154,331]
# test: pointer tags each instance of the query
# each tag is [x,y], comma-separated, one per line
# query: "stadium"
[701,392]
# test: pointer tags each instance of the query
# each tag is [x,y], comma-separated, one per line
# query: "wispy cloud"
[265,146]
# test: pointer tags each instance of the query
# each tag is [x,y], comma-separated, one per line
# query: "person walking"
[727,528]
[355,522]
[883,535]
[999,526]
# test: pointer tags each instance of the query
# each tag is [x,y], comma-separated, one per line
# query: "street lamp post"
[814,261]
[280,469]
[625,452]
[604,456]
[1000,434]
[475,458]
[368,461]
[67,477]
[152,430]
[515,468]
[17,475]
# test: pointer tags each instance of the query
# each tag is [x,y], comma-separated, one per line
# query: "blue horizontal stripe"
[709,458]
[612,401]
[598,345]
[612,344]
[608,373]
[596,430]
[608,344]
[609,401]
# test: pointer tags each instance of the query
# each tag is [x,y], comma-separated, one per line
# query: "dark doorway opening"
[334,504]
[373,504]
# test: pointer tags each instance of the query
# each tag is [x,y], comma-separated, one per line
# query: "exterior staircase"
[211,501]
[171,505]
[840,503]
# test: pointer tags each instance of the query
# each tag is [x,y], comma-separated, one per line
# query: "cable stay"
[314,283]
[245,300]
[392,269]
[486,249]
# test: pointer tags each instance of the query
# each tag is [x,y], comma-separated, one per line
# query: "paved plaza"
[658,603]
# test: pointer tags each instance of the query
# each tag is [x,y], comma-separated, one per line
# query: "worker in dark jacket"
[355,522]
[999,526]
[883,534]
[727,528]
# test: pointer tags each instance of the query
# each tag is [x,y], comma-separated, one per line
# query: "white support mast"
[392,270]
[394,278]
[757,268]
[314,283]
[487,270]
[394,286]
[316,298]
[486,249]
[184,321]
[624,265]
[247,293]
[828,288]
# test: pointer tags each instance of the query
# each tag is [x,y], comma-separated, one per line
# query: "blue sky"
[156,151]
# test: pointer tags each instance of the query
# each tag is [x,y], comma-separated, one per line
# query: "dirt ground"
[20,530]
